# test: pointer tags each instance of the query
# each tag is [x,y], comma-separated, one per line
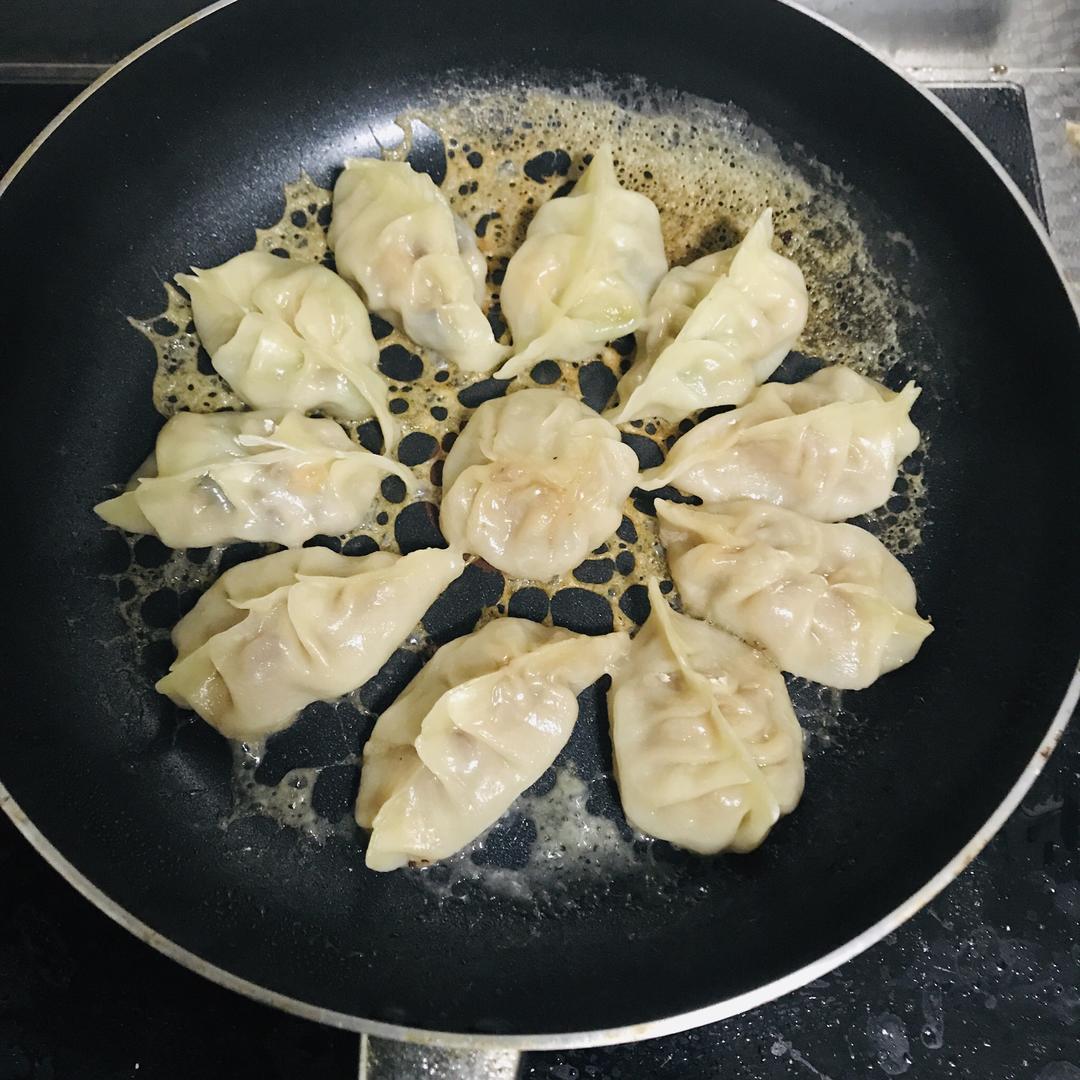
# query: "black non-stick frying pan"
[170,161]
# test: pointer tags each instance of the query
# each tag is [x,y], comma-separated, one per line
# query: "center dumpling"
[535,482]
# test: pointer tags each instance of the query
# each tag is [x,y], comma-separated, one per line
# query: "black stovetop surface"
[983,983]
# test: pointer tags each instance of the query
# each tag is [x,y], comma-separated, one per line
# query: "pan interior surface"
[173,163]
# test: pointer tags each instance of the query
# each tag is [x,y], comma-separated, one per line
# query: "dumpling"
[389,754]
[267,477]
[827,601]
[708,753]
[289,335]
[534,483]
[716,329]
[585,272]
[828,447]
[395,236]
[273,635]
[470,733]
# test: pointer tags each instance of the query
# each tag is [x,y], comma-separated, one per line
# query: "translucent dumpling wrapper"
[290,335]
[708,752]
[395,236]
[480,724]
[829,447]
[826,601]
[273,635]
[265,477]
[535,482]
[715,330]
[585,272]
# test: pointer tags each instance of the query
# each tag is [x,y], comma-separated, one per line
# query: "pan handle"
[387,1059]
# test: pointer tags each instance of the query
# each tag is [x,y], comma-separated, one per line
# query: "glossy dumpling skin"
[829,447]
[289,335]
[267,477]
[395,236]
[480,724]
[534,483]
[273,635]
[827,601]
[708,753]
[715,330]
[585,272]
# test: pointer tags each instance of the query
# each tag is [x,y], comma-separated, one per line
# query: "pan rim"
[670,1025]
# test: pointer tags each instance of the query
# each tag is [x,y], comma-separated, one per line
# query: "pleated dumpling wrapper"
[708,752]
[417,264]
[715,330]
[265,477]
[479,724]
[287,334]
[826,601]
[273,635]
[585,272]
[535,481]
[828,447]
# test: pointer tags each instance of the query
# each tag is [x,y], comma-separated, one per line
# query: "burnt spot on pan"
[546,164]
[417,527]
[649,453]
[529,602]
[459,609]
[400,365]
[545,373]
[427,151]
[483,390]
[596,384]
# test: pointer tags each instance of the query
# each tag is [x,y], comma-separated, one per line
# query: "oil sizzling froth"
[711,172]
[289,801]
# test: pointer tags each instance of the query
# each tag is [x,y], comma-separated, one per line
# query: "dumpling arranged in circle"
[535,482]
[715,330]
[829,447]
[827,601]
[273,635]
[708,753]
[290,335]
[482,721]
[585,272]
[266,476]
[395,236]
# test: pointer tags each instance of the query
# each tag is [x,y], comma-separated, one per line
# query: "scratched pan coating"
[171,163]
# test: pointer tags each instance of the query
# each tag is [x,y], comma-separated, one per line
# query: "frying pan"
[169,161]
